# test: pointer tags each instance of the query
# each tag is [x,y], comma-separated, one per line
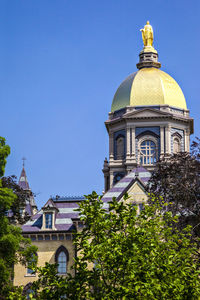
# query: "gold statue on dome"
[147,35]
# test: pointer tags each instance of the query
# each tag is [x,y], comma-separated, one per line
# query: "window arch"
[118,177]
[62,258]
[147,152]
[120,147]
[176,145]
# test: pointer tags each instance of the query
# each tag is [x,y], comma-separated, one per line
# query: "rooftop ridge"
[68,198]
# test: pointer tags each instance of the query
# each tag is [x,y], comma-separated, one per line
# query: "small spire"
[23,181]
[23,158]
[31,207]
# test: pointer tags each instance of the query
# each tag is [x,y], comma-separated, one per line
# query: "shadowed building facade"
[148,118]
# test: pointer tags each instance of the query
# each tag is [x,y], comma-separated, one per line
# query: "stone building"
[148,118]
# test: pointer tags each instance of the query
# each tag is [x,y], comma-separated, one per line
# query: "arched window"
[61,258]
[31,263]
[118,177]
[147,152]
[120,147]
[176,145]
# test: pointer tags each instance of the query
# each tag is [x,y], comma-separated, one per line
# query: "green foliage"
[176,181]
[126,255]
[20,200]
[4,152]
[13,247]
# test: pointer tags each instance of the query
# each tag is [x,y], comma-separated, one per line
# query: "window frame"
[29,271]
[121,155]
[59,250]
[50,214]
[140,154]
[179,144]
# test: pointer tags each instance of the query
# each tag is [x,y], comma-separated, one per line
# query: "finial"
[23,158]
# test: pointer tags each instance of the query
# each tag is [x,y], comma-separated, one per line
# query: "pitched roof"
[23,181]
[121,187]
[63,218]
[66,206]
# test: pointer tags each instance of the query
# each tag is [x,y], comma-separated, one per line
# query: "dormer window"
[49,215]
[48,220]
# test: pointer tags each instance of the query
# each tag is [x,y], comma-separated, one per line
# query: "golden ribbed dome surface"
[148,87]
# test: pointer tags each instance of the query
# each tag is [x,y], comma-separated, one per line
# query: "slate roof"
[65,206]
[121,187]
[64,214]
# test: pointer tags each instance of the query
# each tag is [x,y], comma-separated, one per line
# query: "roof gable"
[140,175]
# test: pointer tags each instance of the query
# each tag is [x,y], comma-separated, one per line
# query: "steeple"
[31,206]
[23,181]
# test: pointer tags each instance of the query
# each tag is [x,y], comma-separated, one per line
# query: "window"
[31,263]
[120,147]
[61,258]
[62,263]
[29,271]
[147,152]
[118,177]
[176,145]
[48,220]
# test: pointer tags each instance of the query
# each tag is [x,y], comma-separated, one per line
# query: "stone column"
[133,144]
[105,183]
[168,139]
[111,145]
[128,142]
[187,140]
[111,179]
[162,141]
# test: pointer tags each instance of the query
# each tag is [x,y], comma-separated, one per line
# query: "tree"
[126,255]
[176,181]
[15,213]
[13,247]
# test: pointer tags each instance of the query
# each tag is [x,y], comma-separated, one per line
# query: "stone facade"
[46,253]
[159,125]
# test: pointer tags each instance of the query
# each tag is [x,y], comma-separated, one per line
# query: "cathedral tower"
[148,118]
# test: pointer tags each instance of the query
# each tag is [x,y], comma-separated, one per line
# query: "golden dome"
[148,87]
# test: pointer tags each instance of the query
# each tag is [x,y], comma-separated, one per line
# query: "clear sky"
[60,65]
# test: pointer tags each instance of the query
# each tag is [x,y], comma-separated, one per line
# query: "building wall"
[46,253]
[137,194]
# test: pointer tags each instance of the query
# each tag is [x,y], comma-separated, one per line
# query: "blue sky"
[60,65]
